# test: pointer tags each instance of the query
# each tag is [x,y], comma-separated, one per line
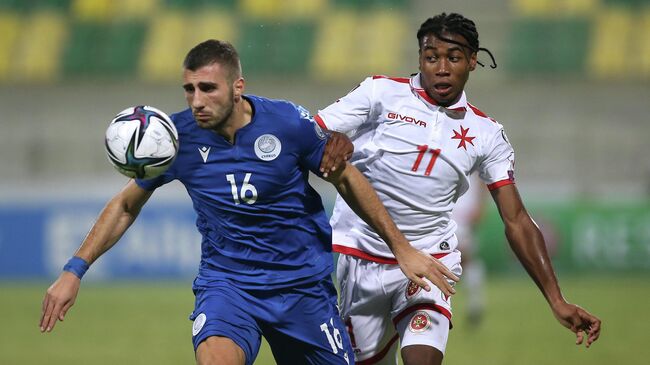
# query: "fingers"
[49,316]
[325,163]
[338,149]
[579,337]
[442,283]
[44,311]
[421,283]
[591,327]
[448,273]
[64,310]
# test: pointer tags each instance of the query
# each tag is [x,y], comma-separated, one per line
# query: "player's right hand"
[338,150]
[60,296]
[418,266]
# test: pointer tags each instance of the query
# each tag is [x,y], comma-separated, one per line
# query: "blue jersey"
[262,225]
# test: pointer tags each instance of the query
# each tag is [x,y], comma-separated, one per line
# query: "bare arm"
[117,216]
[362,198]
[527,242]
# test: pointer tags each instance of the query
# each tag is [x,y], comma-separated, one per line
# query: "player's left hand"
[338,150]
[418,266]
[579,321]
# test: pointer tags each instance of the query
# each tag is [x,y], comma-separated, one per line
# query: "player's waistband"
[374,258]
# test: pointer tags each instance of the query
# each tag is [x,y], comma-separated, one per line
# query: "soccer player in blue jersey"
[266,243]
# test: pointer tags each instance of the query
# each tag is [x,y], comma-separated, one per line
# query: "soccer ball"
[141,142]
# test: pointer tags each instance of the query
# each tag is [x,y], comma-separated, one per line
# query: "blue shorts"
[301,324]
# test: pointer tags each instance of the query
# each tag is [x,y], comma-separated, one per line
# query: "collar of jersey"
[417,89]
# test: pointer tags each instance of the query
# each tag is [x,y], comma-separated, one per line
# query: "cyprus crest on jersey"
[267,147]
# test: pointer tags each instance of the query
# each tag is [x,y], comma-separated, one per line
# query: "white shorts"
[379,305]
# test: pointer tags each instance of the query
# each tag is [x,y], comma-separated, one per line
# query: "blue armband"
[77,266]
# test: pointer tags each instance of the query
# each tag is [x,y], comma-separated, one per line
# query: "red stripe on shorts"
[380,355]
[423,306]
[378,259]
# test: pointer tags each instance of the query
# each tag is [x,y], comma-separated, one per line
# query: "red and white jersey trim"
[378,259]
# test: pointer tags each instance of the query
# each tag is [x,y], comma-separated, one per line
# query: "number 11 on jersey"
[246,186]
[423,148]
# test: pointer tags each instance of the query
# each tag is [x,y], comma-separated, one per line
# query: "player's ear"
[238,87]
[473,59]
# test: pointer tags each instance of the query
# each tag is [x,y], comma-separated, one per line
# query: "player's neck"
[242,113]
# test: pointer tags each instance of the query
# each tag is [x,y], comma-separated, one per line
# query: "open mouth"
[442,88]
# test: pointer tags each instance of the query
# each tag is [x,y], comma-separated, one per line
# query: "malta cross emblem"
[463,137]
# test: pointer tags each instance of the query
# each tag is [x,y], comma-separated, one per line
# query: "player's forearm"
[355,189]
[527,242]
[116,217]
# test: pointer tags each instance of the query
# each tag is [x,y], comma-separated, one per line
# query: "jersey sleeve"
[349,112]
[497,168]
[311,139]
[156,182]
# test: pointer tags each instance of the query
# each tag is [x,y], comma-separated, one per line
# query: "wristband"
[77,266]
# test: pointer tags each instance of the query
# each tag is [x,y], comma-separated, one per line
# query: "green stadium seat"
[276,48]
[31,5]
[628,3]
[103,49]
[544,46]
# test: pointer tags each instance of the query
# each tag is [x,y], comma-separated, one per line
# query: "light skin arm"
[117,216]
[415,264]
[527,242]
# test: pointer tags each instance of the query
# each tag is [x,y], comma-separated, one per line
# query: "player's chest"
[418,129]
[257,164]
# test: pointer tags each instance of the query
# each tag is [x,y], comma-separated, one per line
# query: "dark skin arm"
[118,214]
[338,150]
[527,242]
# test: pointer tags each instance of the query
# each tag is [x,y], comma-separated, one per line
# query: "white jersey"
[469,206]
[418,156]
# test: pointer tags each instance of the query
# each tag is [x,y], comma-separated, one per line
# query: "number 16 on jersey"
[247,193]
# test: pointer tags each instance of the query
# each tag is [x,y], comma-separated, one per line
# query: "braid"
[453,23]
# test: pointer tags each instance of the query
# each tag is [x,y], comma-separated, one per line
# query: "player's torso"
[258,172]
[255,207]
[419,155]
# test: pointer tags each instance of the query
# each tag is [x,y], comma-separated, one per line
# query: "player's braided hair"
[453,23]
[210,51]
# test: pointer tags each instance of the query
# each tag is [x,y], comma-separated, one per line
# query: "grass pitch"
[146,323]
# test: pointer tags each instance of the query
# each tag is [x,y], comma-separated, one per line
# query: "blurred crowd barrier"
[571,88]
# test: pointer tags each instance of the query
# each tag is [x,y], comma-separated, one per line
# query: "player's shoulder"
[275,107]
[481,118]
[183,120]
[390,79]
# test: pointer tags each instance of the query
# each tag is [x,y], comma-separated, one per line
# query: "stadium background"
[572,89]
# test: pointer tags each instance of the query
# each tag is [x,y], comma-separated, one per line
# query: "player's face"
[445,67]
[210,95]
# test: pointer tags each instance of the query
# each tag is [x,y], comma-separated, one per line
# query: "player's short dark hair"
[453,23]
[211,51]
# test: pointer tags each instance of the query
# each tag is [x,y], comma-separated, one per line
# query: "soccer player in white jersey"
[417,140]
